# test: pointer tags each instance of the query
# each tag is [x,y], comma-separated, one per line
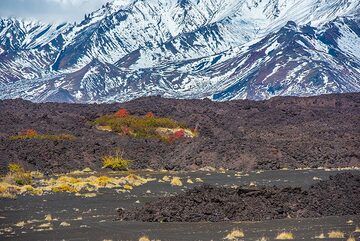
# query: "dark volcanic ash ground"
[284,132]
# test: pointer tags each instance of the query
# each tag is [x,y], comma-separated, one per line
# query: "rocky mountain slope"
[232,49]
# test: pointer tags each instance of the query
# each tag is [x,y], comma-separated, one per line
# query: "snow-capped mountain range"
[219,49]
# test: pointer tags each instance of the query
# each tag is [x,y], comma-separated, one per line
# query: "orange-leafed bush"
[122,113]
[149,115]
[30,133]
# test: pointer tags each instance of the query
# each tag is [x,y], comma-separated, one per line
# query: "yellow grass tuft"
[285,236]
[48,217]
[320,236]
[198,179]
[189,181]
[116,163]
[357,230]
[64,224]
[336,234]
[176,181]
[351,238]
[235,234]
[144,238]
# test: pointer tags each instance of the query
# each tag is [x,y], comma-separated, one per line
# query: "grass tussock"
[285,236]
[336,234]
[17,175]
[235,234]
[32,134]
[116,162]
[144,238]
[351,238]
[16,181]
[320,236]
[148,126]
[176,181]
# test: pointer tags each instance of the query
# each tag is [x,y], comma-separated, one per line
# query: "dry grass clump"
[285,236]
[116,163]
[144,238]
[176,181]
[33,134]
[320,236]
[235,234]
[17,175]
[351,238]
[17,181]
[148,126]
[336,234]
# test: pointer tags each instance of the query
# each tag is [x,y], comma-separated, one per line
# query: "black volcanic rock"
[282,132]
[335,197]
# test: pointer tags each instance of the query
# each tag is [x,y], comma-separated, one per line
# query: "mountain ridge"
[184,49]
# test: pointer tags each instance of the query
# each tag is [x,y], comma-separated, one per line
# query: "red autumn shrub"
[30,132]
[149,115]
[122,113]
[179,134]
[176,135]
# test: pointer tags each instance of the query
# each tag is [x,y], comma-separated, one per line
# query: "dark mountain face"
[185,49]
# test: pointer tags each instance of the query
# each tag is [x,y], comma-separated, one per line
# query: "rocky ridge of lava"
[335,197]
[283,132]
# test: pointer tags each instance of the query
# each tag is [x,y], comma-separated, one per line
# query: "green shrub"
[137,126]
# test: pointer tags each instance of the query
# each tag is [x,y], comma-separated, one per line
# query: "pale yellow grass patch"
[285,236]
[45,225]
[320,236]
[351,238]
[198,179]
[336,234]
[263,239]
[20,224]
[189,181]
[357,230]
[48,217]
[64,224]
[235,234]
[166,179]
[144,238]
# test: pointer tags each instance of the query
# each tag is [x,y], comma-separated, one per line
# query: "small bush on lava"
[17,175]
[116,163]
[148,126]
[33,134]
